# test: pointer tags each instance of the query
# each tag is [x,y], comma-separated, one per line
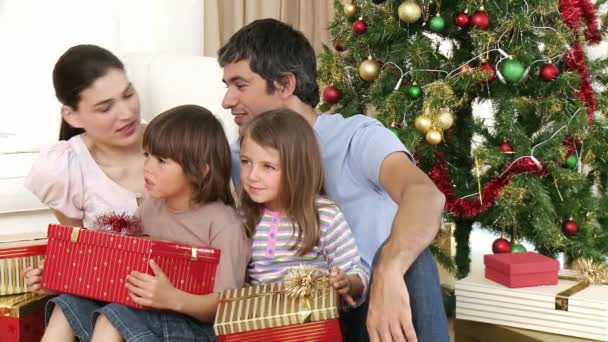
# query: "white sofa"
[162,81]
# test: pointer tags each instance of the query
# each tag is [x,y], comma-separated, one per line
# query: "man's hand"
[155,291]
[389,317]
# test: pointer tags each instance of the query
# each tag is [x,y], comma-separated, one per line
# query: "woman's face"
[109,110]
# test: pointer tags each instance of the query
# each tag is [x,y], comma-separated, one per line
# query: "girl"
[97,166]
[187,176]
[285,214]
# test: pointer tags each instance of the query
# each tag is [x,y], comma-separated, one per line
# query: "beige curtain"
[224,17]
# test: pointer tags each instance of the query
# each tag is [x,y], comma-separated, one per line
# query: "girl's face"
[165,179]
[108,111]
[261,173]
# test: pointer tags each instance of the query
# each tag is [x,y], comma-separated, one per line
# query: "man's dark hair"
[274,49]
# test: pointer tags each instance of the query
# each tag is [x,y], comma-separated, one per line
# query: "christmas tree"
[532,163]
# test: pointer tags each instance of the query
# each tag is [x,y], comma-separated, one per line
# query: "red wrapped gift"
[22,317]
[521,269]
[323,331]
[17,253]
[95,264]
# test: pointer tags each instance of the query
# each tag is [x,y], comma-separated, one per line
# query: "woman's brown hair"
[194,138]
[301,173]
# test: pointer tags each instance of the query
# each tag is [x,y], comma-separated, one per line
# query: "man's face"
[246,93]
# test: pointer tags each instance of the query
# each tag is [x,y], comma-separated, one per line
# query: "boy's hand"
[155,291]
[33,277]
[340,281]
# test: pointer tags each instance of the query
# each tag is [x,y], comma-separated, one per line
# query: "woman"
[96,167]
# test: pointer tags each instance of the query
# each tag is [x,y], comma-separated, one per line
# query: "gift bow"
[307,283]
[122,223]
[587,272]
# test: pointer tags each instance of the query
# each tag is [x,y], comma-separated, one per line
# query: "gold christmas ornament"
[350,10]
[369,70]
[409,12]
[445,119]
[433,137]
[423,123]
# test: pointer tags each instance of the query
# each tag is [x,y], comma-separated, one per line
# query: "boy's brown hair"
[301,173]
[194,138]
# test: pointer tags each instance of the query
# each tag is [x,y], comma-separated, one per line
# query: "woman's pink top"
[66,178]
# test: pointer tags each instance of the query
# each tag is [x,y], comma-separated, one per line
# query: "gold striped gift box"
[15,256]
[268,306]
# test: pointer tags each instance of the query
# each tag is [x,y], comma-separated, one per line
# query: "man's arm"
[418,216]
[420,205]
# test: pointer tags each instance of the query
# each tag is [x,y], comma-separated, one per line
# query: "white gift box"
[482,300]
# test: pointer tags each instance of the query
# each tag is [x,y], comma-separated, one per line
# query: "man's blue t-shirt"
[353,150]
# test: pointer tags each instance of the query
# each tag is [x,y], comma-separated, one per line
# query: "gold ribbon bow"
[307,283]
[587,272]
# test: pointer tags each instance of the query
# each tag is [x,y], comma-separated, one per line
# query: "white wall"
[33,34]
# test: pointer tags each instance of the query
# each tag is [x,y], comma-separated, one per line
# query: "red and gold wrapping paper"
[322,331]
[22,317]
[95,264]
[268,306]
[15,256]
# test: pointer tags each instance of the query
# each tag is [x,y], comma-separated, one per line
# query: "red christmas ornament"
[338,47]
[549,72]
[332,95]
[506,148]
[501,245]
[489,68]
[461,20]
[570,227]
[481,20]
[359,26]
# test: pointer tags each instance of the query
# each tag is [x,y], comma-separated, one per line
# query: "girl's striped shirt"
[272,255]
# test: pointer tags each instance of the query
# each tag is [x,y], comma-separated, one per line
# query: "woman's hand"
[155,291]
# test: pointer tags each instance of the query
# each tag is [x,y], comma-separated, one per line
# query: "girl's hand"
[341,282]
[155,291]
[33,277]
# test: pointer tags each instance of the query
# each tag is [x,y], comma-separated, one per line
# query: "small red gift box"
[521,269]
[16,254]
[95,264]
[22,317]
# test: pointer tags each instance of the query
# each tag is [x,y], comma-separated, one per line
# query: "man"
[392,207]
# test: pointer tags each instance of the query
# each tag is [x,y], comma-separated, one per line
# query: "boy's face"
[246,93]
[165,179]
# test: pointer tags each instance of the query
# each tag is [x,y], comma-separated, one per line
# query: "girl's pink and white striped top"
[272,253]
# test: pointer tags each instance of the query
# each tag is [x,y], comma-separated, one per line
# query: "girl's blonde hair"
[301,173]
[194,138]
